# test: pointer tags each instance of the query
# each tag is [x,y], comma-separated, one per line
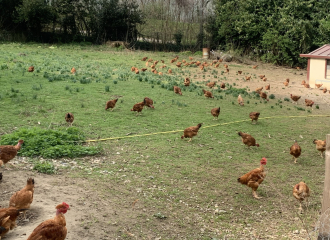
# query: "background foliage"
[271,31]
[275,31]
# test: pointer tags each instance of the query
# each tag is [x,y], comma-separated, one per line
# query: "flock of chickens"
[20,202]
[56,228]
[255,177]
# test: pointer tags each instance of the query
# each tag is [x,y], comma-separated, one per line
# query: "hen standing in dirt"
[24,197]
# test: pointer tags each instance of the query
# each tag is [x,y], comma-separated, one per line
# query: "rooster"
[318,85]
[8,152]
[306,85]
[254,178]
[69,118]
[320,146]
[255,66]
[264,79]
[254,116]
[53,228]
[247,78]
[325,90]
[261,76]
[169,71]
[190,132]
[177,90]
[301,192]
[239,72]
[295,151]
[207,94]
[223,85]
[136,71]
[144,59]
[73,70]
[240,100]
[295,98]
[24,197]
[267,87]
[303,82]
[286,84]
[132,69]
[248,140]
[111,104]
[148,102]
[215,112]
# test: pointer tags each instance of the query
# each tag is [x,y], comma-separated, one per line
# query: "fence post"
[324,228]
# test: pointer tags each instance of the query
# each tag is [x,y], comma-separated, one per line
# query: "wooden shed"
[318,66]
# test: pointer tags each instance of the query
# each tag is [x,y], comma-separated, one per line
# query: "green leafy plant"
[50,143]
[44,167]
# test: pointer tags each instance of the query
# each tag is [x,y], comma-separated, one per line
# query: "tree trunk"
[324,227]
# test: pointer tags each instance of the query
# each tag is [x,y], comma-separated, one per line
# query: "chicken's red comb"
[65,204]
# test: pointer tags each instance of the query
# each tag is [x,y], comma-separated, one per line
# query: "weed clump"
[50,143]
[44,167]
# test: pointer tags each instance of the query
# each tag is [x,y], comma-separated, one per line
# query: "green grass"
[186,182]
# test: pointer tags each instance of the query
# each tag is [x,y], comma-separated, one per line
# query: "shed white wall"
[317,73]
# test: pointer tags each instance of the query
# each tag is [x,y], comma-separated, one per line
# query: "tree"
[36,14]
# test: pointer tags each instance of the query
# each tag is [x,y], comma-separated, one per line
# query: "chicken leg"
[255,195]
[190,140]
[295,159]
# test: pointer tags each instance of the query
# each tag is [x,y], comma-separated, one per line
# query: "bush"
[50,143]
[271,96]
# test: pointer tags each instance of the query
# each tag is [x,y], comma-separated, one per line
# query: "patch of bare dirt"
[276,77]
[91,215]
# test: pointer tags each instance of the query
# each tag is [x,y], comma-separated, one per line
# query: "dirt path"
[91,216]
[275,77]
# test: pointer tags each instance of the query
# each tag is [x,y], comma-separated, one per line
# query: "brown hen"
[295,98]
[254,178]
[207,94]
[254,116]
[69,118]
[111,104]
[215,112]
[248,140]
[295,151]
[24,197]
[138,107]
[320,146]
[177,90]
[190,132]
[8,152]
[52,229]
[301,192]
[8,218]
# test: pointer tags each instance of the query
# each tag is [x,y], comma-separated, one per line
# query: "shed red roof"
[322,52]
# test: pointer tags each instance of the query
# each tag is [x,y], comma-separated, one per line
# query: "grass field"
[185,190]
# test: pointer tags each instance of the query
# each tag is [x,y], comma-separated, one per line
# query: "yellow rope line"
[220,124]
